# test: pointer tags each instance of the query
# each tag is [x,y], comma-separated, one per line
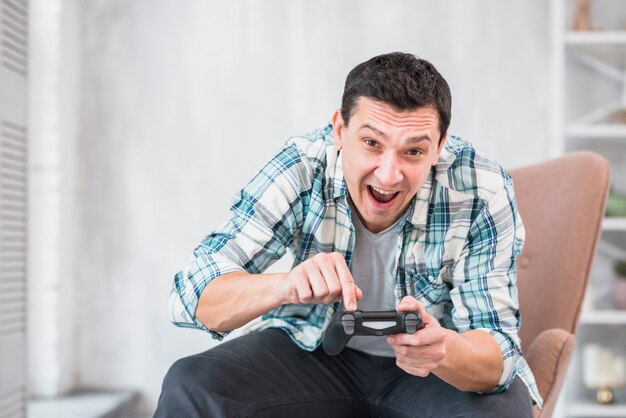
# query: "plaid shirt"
[456,248]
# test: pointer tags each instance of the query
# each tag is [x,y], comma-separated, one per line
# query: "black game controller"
[345,324]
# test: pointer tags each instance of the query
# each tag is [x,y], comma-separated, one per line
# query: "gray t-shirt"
[373,268]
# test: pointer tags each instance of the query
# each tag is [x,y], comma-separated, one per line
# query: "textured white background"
[177,103]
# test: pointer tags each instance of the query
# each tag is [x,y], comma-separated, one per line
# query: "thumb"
[409,303]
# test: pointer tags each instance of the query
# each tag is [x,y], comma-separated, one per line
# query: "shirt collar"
[340,188]
[420,203]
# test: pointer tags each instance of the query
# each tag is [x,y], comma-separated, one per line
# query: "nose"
[388,172]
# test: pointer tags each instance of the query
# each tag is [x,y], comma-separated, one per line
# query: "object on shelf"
[605,396]
[603,371]
[617,117]
[619,285]
[616,204]
[581,20]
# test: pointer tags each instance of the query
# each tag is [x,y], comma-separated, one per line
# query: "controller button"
[348,324]
[410,323]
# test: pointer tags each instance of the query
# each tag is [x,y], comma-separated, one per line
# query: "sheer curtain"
[13,206]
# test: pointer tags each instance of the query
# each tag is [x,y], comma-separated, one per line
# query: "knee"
[497,406]
[175,399]
[201,385]
[179,374]
[189,373]
[488,406]
[177,380]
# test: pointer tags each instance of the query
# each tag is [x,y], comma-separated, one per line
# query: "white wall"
[183,100]
[54,130]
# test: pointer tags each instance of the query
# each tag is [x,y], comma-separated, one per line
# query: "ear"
[338,128]
[440,148]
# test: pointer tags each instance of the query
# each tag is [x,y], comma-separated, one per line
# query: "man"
[381,210]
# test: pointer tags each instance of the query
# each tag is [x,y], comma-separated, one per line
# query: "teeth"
[381,191]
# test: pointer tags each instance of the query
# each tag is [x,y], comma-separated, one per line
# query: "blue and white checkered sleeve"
[262,224]
[486,297]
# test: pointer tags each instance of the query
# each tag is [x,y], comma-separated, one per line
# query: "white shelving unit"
[614,224]
[590,410]
[590,114]
[606,317]
[595,38]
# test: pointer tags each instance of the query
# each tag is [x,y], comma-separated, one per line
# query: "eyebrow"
[370,127]
[420,138]
[412,140]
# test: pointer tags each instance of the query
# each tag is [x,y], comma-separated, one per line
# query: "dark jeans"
[265,374]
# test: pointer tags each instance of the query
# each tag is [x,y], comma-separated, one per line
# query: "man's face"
[387,156]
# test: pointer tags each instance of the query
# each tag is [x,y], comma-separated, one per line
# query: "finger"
[429,356]
[416,370]
[359,293]
[303,286]
[412,340]
[409,303]
[317,283]
[331,281]
[348,287]
[421,338]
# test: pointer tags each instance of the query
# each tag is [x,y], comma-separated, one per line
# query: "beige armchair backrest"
[562,203]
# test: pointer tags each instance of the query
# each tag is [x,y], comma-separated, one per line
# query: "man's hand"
[422,352]
[323,278]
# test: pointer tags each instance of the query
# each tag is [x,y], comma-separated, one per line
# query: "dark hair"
[401,80]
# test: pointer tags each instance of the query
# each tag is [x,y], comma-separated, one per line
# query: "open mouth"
[382,196]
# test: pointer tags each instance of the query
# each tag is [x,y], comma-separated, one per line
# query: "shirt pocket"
[429,288]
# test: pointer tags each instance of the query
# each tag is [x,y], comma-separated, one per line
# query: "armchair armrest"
[548,357]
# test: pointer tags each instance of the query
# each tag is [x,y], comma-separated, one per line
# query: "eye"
[370,142]
[415,152]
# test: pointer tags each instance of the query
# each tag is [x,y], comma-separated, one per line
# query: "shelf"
[614,224]
[579,409]
[596,38]
[597,131]
[589,99]
[604,317]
